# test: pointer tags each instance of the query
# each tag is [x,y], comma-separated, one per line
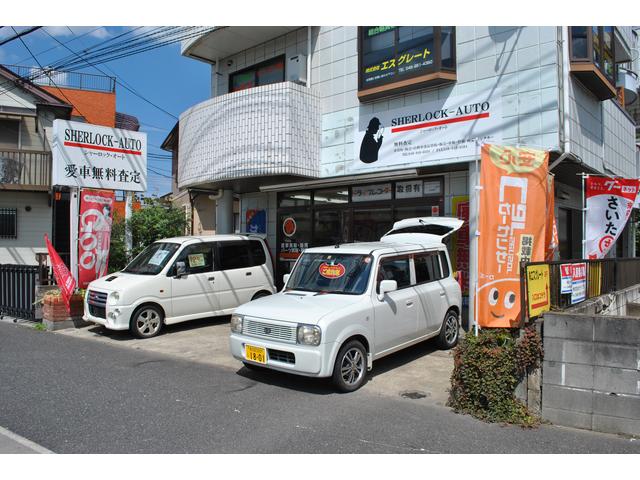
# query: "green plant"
[487,370]
[40,327]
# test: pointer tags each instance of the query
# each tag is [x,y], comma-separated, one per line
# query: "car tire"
[260,294]
[350,368]
[146,322]
[450,331]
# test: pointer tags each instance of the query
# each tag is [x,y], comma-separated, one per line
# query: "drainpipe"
[309,54]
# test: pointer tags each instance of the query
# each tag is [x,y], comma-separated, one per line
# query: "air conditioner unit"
[296,69]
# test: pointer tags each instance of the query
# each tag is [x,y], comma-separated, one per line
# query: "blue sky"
[162,75]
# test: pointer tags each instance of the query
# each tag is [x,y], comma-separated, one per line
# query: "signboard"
[427,133]
[566,275]
[93,156]
[573,280]
[460,209]
[512,221]
[94,234]
[609,204]
[63,277]
[371,193]
[256,221]
[538,297]
[410,189]
[295,236]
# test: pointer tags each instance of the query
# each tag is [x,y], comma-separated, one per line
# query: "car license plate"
[256,354]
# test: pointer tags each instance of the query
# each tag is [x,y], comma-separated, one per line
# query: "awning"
[342,180]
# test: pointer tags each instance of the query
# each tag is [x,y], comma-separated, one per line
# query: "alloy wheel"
[352,366]
[148,322]
[451,329]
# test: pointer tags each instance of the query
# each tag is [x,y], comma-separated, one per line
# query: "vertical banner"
[609,204]
[512,228]
[460,209]
[551,230]
[94,234]
[256,221]
[61,273]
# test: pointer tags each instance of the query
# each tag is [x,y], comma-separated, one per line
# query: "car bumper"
[308,361]
[120,322]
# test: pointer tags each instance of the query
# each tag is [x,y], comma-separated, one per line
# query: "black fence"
[602,276]
[18,290]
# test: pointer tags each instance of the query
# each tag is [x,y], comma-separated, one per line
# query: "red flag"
[63,277]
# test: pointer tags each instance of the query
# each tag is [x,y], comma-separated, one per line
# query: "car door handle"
[442,293]
[248,273]
[211,279]
[409,303]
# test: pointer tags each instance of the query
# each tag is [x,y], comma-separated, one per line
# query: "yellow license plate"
[256,354]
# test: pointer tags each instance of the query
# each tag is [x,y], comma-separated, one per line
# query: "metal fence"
[24,167]
[603,276]
[18,290]
[60,78]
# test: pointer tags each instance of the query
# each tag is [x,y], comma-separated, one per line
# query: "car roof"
[209,238]
[409,242]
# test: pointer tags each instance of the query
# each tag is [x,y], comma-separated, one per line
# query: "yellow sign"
[538,290]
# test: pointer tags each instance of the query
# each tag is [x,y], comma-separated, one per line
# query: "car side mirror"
[285,278]
[181,269]
[387,286]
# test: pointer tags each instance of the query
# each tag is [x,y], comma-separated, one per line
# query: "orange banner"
[512,221]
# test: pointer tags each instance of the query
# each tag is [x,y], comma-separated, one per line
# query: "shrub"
[487,370]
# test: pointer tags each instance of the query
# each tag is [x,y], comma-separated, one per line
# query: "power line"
[56,46]
[18,35]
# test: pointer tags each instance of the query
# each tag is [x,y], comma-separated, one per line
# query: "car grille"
[99,299]
[280,356]
[283,333]
[99,312]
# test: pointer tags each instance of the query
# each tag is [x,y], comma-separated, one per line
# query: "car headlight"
[309,334]
[236,323]
[114,298]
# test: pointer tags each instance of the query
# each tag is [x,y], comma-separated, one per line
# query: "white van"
[179,279]
[344,306]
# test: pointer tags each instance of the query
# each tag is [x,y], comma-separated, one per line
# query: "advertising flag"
[511,226]
[94,234]
[609,204]
[61,273]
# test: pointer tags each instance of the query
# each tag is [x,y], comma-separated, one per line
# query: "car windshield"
[152,259]
[331,273]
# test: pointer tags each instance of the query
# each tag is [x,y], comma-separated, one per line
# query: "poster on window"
[427,133]
[94,234]
[609,205]
[256,221]
[512,220]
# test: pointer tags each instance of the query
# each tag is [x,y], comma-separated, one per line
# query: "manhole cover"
[414,394]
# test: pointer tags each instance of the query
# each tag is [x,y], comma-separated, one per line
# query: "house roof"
[44,97]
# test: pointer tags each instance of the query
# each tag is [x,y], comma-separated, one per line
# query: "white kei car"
[344,306]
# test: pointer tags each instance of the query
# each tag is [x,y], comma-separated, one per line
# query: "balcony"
[628,81]
[238,140]
[25,170]
[222,42]
[58,78]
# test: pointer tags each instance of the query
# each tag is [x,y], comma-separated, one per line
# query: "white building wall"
[32,225]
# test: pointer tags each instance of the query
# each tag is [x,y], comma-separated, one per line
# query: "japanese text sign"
[511,226]
[538,297]
[94,234]
[609,204]
[93,156]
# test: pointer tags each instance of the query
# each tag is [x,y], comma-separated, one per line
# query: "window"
[232,255]
[395,268]
[9,133]
[152,259]
[427,267]
[593,59]
[258,256]
[331,196]
[8,223]
[265,73]
[198,258]
[393,59]
[445,264]
[295,199]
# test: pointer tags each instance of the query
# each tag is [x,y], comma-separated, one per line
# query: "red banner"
[94,235]
[61,273]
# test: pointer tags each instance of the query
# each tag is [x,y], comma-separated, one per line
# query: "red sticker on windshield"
[331,271]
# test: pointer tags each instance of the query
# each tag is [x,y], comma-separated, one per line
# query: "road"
[72,395]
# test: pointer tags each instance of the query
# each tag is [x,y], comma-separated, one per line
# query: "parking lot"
[420,373]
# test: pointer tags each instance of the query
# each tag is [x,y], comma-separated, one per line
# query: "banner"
[609,204]
[94,234]
[538,298]
[61,273]
[424,134]
[512,228]
[256,221]
[551,230]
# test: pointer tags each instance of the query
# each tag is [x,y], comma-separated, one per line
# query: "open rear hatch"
[431,229]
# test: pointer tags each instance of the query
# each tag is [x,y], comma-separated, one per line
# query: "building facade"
[330,134]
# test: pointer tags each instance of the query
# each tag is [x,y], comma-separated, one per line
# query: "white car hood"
[121,282]
[296,306]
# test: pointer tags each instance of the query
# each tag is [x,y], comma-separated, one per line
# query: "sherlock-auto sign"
[93,156]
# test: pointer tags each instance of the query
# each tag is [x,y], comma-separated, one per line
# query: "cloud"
[93,32]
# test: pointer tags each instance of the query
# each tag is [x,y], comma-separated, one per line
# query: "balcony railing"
[60,78]
[19,168]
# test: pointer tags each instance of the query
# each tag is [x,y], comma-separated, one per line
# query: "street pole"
[584,217]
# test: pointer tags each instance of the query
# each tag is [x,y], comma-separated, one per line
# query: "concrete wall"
[621,303]
[32,225]
[591,372]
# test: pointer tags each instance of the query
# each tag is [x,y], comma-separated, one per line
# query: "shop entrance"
[363,213]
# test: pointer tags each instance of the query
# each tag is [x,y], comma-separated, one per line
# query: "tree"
[155,220]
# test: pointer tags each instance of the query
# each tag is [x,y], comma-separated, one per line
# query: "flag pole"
[584,217]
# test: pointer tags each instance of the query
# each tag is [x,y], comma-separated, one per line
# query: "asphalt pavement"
[71,395]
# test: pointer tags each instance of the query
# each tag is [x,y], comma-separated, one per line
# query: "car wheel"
[449,331]
[260,295]
[350,369]
[146,322]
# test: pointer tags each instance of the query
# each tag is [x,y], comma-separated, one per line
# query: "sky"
[162,75]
